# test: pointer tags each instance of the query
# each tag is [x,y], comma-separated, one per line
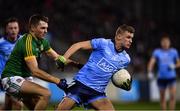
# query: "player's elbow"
[34,72]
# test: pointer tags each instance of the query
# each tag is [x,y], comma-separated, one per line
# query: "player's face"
[124,40]
[41,29]
[12,30]
[165,43]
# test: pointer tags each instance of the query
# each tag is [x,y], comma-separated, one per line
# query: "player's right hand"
[150,75]
[61,62]
[63,85]
[79,65]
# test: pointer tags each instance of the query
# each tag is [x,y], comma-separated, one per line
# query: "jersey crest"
[106,66]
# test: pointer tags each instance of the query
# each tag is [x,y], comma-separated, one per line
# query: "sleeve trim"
[29,46]
[49,50]
[29,57]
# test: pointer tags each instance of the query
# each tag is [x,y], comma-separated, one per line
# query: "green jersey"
[25,48]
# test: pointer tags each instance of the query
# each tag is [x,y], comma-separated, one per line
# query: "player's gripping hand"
[79,65]
[127,85]
[63,85]
[76,64]
[61,62]
[171,67]
[150,75]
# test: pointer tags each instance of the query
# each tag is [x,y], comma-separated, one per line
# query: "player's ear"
[32,27]
[119,36]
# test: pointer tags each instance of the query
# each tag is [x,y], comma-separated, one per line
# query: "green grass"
[128,106]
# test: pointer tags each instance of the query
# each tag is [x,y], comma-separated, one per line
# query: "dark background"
[76,20]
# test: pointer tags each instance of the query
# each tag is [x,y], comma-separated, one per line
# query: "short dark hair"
[124,28]
[34,19]
[9,20]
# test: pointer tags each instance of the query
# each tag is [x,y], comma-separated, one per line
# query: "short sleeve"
[28,48]
[98,43]
[176,54]
[155,54]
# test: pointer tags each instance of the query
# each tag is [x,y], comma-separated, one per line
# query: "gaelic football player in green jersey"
[22,65]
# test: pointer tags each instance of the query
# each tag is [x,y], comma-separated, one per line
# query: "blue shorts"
[83,95]
[164,83]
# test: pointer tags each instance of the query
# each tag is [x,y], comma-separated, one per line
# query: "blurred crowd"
[77,20]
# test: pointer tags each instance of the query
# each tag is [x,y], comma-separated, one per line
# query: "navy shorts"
[83,95]
[164,83]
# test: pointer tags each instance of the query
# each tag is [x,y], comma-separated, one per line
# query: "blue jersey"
[164,58]
[103,62]
[6,48]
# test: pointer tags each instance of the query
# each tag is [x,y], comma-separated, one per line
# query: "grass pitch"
[127,106]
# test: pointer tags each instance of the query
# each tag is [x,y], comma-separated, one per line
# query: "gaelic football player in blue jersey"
[167,60]
[7,43]
[107,57]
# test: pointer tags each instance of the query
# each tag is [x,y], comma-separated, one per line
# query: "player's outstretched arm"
[36,72]
[177,63]
[63,60]
[150,67]
[33,66]
[60,60]
[77,46]
[54,55]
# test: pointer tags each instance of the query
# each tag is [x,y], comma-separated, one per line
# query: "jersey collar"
[113,40]
[6,38]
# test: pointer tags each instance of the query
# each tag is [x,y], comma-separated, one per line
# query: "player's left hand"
[79,65]
[150,76]
[127,85]
[171,66]
[63,85]
[76,64]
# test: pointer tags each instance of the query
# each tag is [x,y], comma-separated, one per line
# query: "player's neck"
[118,48]
[33,35]
[165,48]
[11,39]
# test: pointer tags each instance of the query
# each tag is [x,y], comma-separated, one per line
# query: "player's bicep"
[75,47]
[32,63]
[84,45]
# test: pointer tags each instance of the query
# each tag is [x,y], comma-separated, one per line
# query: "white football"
[122,79]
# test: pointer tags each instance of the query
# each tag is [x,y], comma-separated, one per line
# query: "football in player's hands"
[122,79]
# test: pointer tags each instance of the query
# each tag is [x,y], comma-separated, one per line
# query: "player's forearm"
[45,76]
[178,64]
[52,54]
[73,49]
[150,67]
[151,64]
